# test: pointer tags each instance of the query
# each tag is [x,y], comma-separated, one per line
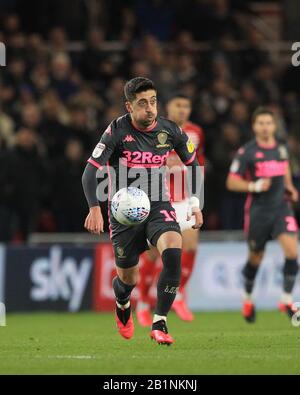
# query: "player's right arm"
[236,180]
[101,154]
[289,186]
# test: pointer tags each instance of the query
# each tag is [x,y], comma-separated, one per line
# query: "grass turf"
[88,343]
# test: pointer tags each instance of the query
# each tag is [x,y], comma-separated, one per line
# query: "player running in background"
[178,110]
[261,168]
[142,140]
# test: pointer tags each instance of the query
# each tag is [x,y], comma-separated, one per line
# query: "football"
[130,206]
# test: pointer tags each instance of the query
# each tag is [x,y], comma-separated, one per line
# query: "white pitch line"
[70,357]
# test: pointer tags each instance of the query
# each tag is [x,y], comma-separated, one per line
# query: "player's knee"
[130,274]
[289,244]
[255,257]
[169,240]
[174,244]
[152,254]
[171,258]
[128,278]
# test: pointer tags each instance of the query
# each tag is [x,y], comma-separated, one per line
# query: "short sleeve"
[184,146]
[239,164]
[104,149]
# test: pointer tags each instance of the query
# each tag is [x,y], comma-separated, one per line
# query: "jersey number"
[169,216]
[291,224]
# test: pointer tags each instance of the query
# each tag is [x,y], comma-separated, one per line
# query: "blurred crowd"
[56,98]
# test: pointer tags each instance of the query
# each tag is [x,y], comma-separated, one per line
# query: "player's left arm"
[201,148]
[289,186]
[186,151]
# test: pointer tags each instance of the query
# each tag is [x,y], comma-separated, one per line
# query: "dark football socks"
[169,280]
[249,272]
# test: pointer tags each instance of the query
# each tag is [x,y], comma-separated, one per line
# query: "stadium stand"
[64,79]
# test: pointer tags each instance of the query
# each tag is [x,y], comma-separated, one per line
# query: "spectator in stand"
[240,116]
[40,78]
[58,40]
[27,175]
[61,76]
[95,105]
[31,117]
[66,189]
[155,17]
[78,127]
[249,95]
[54,132]
[58,97]
[220,96]
[231,205]
[6,130]
[114,93]
[6,193]
[93,55]
[265,82]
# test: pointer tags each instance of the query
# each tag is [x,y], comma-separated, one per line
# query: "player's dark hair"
[261,111]
[137,85]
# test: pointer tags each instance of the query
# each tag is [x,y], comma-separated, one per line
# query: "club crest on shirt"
[190,146]
[282,152]
[162,137]
[98,150]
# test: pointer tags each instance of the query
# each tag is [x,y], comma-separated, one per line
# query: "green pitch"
[88,343]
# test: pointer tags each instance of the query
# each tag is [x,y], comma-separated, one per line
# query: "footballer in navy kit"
[261,168]
[142,140]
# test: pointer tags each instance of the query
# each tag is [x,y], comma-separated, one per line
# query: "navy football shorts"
[131,241]
[265,224]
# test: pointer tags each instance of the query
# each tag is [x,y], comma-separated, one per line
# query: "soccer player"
[261,168]
[142,140]
[178,110]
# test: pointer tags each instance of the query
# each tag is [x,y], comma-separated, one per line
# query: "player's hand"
[94,221]
[292,193]
[198,219]
[173,162]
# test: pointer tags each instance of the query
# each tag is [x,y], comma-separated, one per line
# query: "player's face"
[179,110]
[264,126]
[143,108]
